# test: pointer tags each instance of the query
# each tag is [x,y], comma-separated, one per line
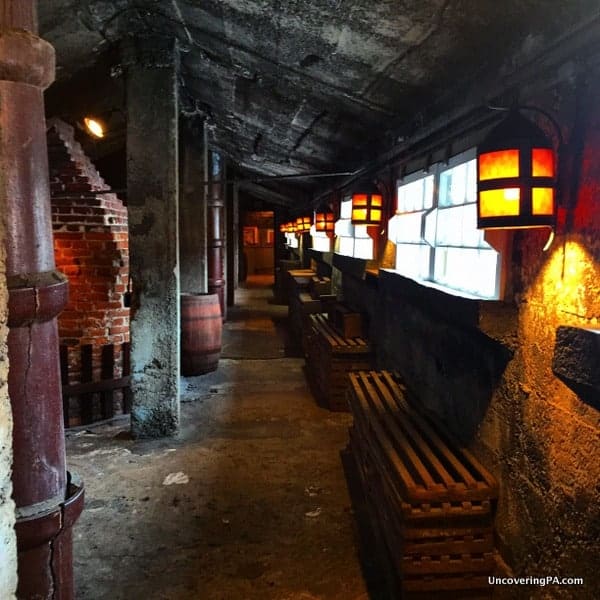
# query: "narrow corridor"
[248,502]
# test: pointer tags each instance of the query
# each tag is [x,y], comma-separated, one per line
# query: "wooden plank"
[407,478]
[107,374]
[126,372]
[451,456]
[467,563]
[64,379]
[402,440]
[86,407]
[424,448]
[93,387]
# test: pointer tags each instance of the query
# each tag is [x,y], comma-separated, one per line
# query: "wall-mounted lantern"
[367,204]
[516,176]
[303,224]
[324,221]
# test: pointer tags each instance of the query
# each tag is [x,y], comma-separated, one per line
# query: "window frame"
[433,212]
[346,223]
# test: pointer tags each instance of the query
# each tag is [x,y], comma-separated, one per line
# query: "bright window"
[320,240]
[435,230]
[291,240]
[352,240]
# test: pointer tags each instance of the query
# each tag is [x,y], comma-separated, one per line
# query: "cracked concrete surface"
[265,513]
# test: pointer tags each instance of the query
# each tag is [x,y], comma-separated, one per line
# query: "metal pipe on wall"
[48,501]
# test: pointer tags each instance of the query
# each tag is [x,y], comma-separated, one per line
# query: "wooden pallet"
[430,500]
[346,322]
[300,306]
[319,286]
[329,359]
[426,464]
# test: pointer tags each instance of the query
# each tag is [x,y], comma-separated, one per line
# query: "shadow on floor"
[371,562]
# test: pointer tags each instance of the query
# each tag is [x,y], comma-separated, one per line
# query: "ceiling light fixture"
[94,127]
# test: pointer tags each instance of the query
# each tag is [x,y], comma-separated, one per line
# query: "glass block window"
[352,240]
[291,240]
[435,230]
[320,240]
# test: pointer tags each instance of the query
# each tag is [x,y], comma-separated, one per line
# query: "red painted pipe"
[216,240]
[47,502]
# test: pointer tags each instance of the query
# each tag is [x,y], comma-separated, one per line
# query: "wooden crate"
[345,321]
[301,306]
[430,500]
[297,281]
[329,359]
[319,286]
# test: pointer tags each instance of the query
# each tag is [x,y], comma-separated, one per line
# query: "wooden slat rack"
[430,500]
[330,357]
[95,399]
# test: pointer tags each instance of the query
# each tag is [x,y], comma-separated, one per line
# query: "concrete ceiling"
[292,86]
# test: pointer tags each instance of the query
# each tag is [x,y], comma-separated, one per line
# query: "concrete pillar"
[192,222]
[47,503]
[216,229]
[152,192]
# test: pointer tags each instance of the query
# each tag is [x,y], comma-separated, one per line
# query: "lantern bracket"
[541,111]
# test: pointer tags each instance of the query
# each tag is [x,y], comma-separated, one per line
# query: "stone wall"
[8,545]
[486,370]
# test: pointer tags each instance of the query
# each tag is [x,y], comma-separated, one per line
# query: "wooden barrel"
[200,333]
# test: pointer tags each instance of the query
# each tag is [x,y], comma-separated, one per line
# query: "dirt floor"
[248,502]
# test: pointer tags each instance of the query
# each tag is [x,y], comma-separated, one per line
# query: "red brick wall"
[91,248]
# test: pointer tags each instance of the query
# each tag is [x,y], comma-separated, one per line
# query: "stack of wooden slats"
[329,359]
[308,296]
[347,322]
[300,306]
[430,501]
[297,286]
[319,286]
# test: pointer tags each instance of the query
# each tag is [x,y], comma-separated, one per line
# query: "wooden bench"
[300,307]
[329,359]
[430,500]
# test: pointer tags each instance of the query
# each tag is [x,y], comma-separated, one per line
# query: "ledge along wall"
[494,374]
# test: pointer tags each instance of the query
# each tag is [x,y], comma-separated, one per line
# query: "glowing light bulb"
[511,193]
[94,127]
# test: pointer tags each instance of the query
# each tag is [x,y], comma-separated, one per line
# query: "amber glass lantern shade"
[367,205]
[325,221]
[303,224]
[516,176]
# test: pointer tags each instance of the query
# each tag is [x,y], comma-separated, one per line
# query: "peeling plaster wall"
[485,369]
[8,545]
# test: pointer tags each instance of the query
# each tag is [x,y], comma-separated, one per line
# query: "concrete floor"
[248,502]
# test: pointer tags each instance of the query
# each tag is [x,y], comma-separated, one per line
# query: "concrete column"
[152,192]
[216,229]
[192,222]
[47,503]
